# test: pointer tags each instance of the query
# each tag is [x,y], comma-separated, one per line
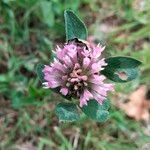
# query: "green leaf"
[39,72]
[67,112]
[47,12]
[75,28]
[121,69]
[96,111]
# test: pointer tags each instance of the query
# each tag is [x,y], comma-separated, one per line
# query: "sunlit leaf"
[75,28]
[67,112]
[121,69]
[96,111]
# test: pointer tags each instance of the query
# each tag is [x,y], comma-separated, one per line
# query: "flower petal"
[86,96]
[64,91]
[86,62]
[98,97]
[96,51]
[97,79]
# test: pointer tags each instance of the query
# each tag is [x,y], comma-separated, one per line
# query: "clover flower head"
[76,72]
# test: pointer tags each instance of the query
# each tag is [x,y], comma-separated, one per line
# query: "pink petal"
[98,97]
[85,52]
[97,79]
[64,91]
[57,65]
[86,62]
[60,53]
[109,86]
[97,51]
[67,61]
[54,83]
[100,90]
[102,62]
[74,80]
[86,96]
[70,47]
[72,52]
[47,69]
[98,66]
[82,101]
[49,77]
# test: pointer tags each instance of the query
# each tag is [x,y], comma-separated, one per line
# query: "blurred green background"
[29,30]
